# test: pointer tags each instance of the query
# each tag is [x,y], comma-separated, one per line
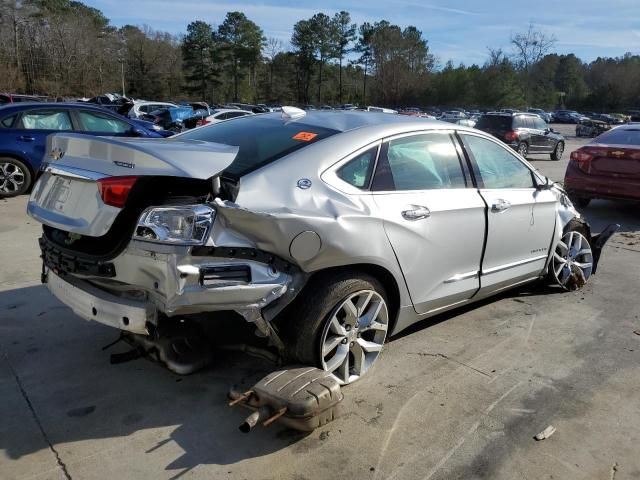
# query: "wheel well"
[381,274]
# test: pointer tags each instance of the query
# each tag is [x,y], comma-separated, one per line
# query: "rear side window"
[421,162]
[8,122]
[4,99]
[621,136]
[260,140]
[46,120]
[497,166]
[357,171]
[98,122]
[494,122]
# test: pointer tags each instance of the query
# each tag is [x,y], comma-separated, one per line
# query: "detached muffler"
[302,398]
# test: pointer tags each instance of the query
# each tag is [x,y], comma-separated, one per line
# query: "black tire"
[558,151]
[302,324]
[15,177]
[523,149]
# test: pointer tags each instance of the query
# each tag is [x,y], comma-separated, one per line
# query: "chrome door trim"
[507,266]
[463,276]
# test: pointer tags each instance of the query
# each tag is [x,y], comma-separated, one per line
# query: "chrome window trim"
[331,178]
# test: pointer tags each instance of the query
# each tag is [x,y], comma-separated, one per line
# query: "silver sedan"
[328,231]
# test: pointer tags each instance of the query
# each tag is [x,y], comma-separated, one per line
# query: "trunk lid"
[615,160]
[67,196]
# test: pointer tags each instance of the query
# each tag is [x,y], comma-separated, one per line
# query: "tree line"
[64,48]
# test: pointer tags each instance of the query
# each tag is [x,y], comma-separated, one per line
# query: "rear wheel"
[523,149]
[338,324]
[572,262]
[558,151]
[15,177]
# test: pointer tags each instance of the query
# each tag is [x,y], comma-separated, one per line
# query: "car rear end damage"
[145,249]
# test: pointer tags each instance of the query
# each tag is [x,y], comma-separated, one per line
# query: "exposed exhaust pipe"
[260,415]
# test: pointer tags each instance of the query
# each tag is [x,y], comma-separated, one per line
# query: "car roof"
[346,120]
[44,105]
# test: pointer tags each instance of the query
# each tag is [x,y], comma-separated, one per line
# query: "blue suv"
[24,128]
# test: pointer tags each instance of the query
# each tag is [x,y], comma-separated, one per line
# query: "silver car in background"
[329,231]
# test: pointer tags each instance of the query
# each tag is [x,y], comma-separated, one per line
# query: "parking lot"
[458,396]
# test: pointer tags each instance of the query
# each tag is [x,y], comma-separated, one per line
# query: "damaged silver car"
[329,231]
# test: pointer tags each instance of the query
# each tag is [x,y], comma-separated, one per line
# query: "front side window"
[47,120]
[539,124]
[497,166]
[357,171]
[421,162]
[98,122]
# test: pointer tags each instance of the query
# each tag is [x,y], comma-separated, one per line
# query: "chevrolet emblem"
[56,153]
[617,153]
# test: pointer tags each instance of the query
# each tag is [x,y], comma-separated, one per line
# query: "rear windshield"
[621,136]
[494,122]
[260,140]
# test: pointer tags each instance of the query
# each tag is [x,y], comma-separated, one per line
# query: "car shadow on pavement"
[57,387]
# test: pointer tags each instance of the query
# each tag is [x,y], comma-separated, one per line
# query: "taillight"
[511,136]
[202,122]
[115,190]
[582,160]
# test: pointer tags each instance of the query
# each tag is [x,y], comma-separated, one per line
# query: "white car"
[141,108]
[381,110]
[223,114]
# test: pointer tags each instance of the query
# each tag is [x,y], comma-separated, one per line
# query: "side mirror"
[544,186]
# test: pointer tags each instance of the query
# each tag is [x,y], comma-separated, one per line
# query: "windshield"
[260,140]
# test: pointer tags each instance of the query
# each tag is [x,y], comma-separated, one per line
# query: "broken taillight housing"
[582,160]
[115,190]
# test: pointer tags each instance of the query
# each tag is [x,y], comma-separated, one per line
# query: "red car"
[608,167]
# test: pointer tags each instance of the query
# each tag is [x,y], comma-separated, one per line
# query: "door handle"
[26,138]
[417,213]
[500,205]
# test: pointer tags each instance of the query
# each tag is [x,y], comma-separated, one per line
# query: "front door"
[433,217]
[521,218]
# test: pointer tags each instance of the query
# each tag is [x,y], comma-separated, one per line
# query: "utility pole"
[122,76]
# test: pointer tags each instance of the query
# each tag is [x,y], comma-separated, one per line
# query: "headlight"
[180,225]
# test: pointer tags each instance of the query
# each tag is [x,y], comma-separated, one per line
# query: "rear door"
[521,219]
[35,125]
[433,217]
[92,122]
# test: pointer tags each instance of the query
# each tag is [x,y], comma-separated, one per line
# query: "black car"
[524,132]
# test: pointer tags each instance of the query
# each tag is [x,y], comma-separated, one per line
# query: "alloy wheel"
[572,261]
[354,336]
[559,150]
[522,150]
[12,178]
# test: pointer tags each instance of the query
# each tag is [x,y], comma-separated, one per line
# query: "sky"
[456,30]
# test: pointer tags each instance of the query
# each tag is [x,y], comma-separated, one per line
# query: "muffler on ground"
[302,398]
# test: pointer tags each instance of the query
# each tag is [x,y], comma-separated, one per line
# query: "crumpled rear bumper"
[140,285]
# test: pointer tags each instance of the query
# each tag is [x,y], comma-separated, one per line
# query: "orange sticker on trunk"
[305,136]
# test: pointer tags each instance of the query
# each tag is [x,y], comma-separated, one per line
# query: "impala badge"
[124,164]
[617,153]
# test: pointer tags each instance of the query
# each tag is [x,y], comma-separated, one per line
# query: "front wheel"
[15,177]
[572,262]
[339,324]
[558,151]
